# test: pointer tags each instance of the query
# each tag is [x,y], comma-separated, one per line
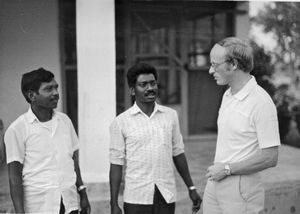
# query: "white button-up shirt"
[146,146]
[46,151]
[247,122]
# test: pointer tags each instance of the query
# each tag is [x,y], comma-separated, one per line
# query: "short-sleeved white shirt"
[46,152]
[146,146]
[247,122]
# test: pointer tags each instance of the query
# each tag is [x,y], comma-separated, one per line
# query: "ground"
[283,180]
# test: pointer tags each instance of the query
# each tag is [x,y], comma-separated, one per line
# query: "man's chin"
[150,100]
[53,106]
[220,83]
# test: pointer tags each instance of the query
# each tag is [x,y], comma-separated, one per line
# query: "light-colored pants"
[236,194]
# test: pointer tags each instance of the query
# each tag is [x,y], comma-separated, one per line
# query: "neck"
[42,114]
[147,108]
[240,80]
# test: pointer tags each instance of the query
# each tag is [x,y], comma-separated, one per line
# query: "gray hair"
[239,50]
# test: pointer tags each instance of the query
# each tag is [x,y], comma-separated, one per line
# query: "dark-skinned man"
[145,141]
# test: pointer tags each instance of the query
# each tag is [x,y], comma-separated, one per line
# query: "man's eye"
[48,89]
[153,83]
[143,84]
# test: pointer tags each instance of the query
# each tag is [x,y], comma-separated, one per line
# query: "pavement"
[281,183]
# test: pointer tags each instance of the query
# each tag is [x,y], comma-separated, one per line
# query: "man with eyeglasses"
[248,136]
[146,140]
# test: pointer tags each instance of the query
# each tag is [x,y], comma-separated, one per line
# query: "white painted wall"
[29,39]
[96,85]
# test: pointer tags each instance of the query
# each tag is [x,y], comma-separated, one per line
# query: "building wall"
[29,39]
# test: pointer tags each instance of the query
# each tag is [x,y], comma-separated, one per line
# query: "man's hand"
[84,203]
[216,172]
[194,196]
[115,209]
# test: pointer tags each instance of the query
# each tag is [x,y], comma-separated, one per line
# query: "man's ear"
[132,92]
[31,95]
[234,64]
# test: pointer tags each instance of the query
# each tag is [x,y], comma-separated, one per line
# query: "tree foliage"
[263,68]
[283,20]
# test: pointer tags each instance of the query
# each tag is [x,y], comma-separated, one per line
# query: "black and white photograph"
[149,107]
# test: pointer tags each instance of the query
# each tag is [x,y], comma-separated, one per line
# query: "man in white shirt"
[248,136]
[42,153]
[146,140]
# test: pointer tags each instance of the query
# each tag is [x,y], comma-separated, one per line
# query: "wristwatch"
[227,169]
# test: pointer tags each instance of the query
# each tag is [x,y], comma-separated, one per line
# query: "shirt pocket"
[165,135]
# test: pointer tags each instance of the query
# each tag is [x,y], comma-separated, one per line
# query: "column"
[96,85]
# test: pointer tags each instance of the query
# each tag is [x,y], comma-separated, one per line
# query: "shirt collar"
[31,117]
[136,109]
[245,91]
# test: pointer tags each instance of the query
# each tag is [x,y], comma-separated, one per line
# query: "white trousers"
[236,194]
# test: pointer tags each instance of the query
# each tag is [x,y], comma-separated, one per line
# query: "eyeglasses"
[215,65]
[152,83]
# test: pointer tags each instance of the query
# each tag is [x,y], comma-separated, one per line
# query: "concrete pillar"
[96,85]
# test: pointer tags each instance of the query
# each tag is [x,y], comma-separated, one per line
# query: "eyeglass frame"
[215,65]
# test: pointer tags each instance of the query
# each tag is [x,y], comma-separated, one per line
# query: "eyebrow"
[146,81]
[54,85]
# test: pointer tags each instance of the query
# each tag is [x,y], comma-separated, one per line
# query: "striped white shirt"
[146,146]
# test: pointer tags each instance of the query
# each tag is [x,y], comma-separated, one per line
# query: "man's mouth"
[150,94]
[54,99]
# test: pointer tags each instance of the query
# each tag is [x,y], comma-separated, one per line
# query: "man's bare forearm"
[183,169]
[16,186]
[115,178]
[264,159]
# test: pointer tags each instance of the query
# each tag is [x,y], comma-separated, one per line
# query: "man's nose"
[149,86]
[55,91]
[211,70]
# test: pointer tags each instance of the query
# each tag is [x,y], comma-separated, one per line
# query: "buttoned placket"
[151,124]
[153,147]
[153,158]
[52,131]
[60,178]
[227,106]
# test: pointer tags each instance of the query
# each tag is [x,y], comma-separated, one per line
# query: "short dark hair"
[136,70]
[32,81]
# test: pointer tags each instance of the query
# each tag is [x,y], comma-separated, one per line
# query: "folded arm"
[261,160]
